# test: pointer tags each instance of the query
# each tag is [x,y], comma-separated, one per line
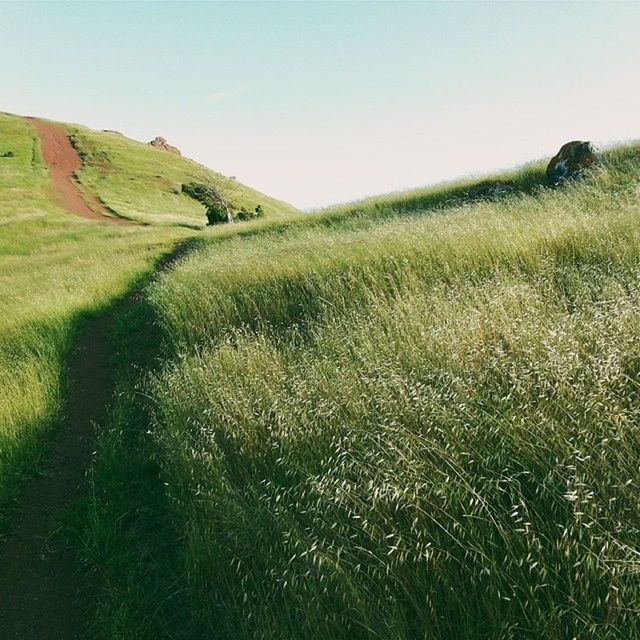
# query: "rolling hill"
[142,183]
[414,416]
[405,422]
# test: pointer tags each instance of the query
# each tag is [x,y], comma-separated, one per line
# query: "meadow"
[56,271]
[404,418]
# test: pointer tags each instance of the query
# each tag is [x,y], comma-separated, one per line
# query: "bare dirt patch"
[63,161]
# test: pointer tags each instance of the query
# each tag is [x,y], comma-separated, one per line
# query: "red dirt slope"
[62,160]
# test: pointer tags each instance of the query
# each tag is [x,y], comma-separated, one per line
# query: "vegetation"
[245,214]
[378,422]
[414,416]
[219,209]
[55,270]
[141,183]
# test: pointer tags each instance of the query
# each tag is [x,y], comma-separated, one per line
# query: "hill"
[413,416]
[56,270]
[391,421]
[142,183]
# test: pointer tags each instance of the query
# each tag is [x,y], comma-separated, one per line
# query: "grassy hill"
[142,183]
[411,417]
[55,270]
[414,416]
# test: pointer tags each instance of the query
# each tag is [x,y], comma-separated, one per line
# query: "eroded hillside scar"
[63,161]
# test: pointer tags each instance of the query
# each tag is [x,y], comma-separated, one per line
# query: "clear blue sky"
[323,102]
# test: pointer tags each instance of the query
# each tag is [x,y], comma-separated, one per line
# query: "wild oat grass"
[425,428]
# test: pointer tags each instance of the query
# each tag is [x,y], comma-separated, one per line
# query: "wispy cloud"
[225,94]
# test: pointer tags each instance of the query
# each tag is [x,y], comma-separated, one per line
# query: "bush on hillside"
[7,154]
[219,209]
[244,214]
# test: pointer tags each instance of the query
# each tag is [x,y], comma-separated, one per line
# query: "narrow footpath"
[44,594]
[41,590]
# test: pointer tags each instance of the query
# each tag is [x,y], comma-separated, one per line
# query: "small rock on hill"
[573,159]
[160,143]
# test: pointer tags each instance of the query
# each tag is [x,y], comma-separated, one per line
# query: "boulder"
[573,159]
[161,143]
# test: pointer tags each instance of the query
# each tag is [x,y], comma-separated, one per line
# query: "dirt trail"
[63,161]
[43,593]
[39,584]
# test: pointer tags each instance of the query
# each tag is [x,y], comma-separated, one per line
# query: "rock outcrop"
[160,143]
[573,159]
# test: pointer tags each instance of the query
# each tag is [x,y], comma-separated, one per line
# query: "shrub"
[218,208]
[245,214]
[7,154]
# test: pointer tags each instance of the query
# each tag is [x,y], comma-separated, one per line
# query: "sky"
[319,103]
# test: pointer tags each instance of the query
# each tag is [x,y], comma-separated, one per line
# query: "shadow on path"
[43,592]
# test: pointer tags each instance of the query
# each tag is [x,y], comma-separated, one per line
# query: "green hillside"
[414,416]
[523,180]
[370,424]
[142,183]
[55,269]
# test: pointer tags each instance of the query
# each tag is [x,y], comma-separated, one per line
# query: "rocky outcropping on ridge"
[160,143]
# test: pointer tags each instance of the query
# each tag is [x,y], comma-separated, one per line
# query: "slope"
[374,425]
[142,183]
[62,268]
[56,269]
[63,162]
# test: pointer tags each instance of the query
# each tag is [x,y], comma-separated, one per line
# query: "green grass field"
[414,416]
[390,420]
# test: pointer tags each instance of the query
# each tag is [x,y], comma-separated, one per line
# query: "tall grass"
[424,429]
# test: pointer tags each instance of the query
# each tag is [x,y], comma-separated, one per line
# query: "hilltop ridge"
[140,182]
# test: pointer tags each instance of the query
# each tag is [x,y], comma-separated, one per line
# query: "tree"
[217,206]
